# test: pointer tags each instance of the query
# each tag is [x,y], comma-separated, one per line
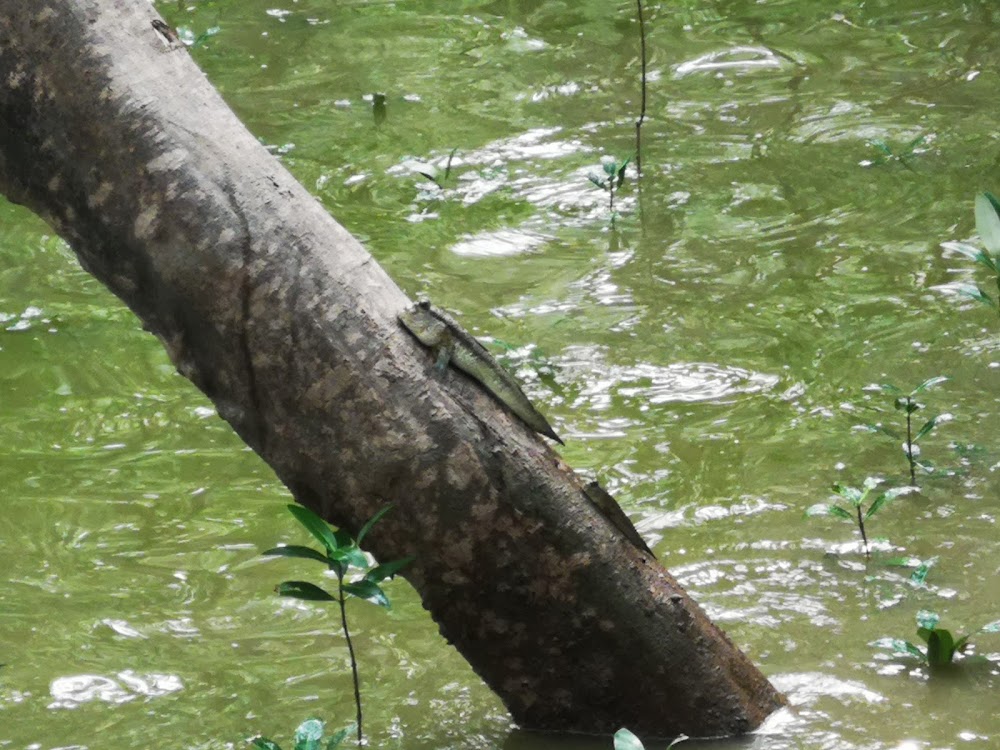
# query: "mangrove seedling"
[888,154]
[907,403]
[611,181]
[625,740]
[853,505]
[341,554]
[940,644]
[988,227]
[309,735]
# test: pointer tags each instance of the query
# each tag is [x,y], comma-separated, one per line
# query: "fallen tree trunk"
[112,135]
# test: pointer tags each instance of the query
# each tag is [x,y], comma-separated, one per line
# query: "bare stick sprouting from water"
[354,663]
[642,108]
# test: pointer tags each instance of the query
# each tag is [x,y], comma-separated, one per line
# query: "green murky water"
[707,360]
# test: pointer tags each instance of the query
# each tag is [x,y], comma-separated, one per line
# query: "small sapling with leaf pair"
[341,554]
[854,505]
[901,155]
[907,403]
[611,181]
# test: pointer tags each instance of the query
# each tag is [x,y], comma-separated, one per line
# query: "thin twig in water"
[642,109]
[354,663]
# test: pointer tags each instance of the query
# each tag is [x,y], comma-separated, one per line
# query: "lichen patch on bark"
[146,222]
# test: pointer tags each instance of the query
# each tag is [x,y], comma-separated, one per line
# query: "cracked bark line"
[257,417]
[127,151]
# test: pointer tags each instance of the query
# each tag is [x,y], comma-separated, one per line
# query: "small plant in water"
[625,740]
[853,505]
[888,154]
[921,568]
[988,227]
[341,553]
[433,174]
[907,403]
[611,181]
[941,645]
[309,735]
[919,575]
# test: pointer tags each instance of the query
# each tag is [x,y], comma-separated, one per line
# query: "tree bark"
[111,134]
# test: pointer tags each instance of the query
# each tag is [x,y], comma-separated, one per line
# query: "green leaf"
[963,248]
[610,167]
[621,173]
[368,591]
[988,222]
[596,180]
[371,522]
[972,252]
[315,525]
[850,493]
[295,550]
[881,146]
[837,512]
[940,648]
[929,383]
[339,736]
[974,292]
[928,619]
[890,388]
[351,556]
[308,735]
[961,643]
[265,744]
[388,569]
[884,498]
[343,538]
[625,740]
[900,646]
[828,509]
[303,590]
[993,199]
[929,425]
[876,506]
